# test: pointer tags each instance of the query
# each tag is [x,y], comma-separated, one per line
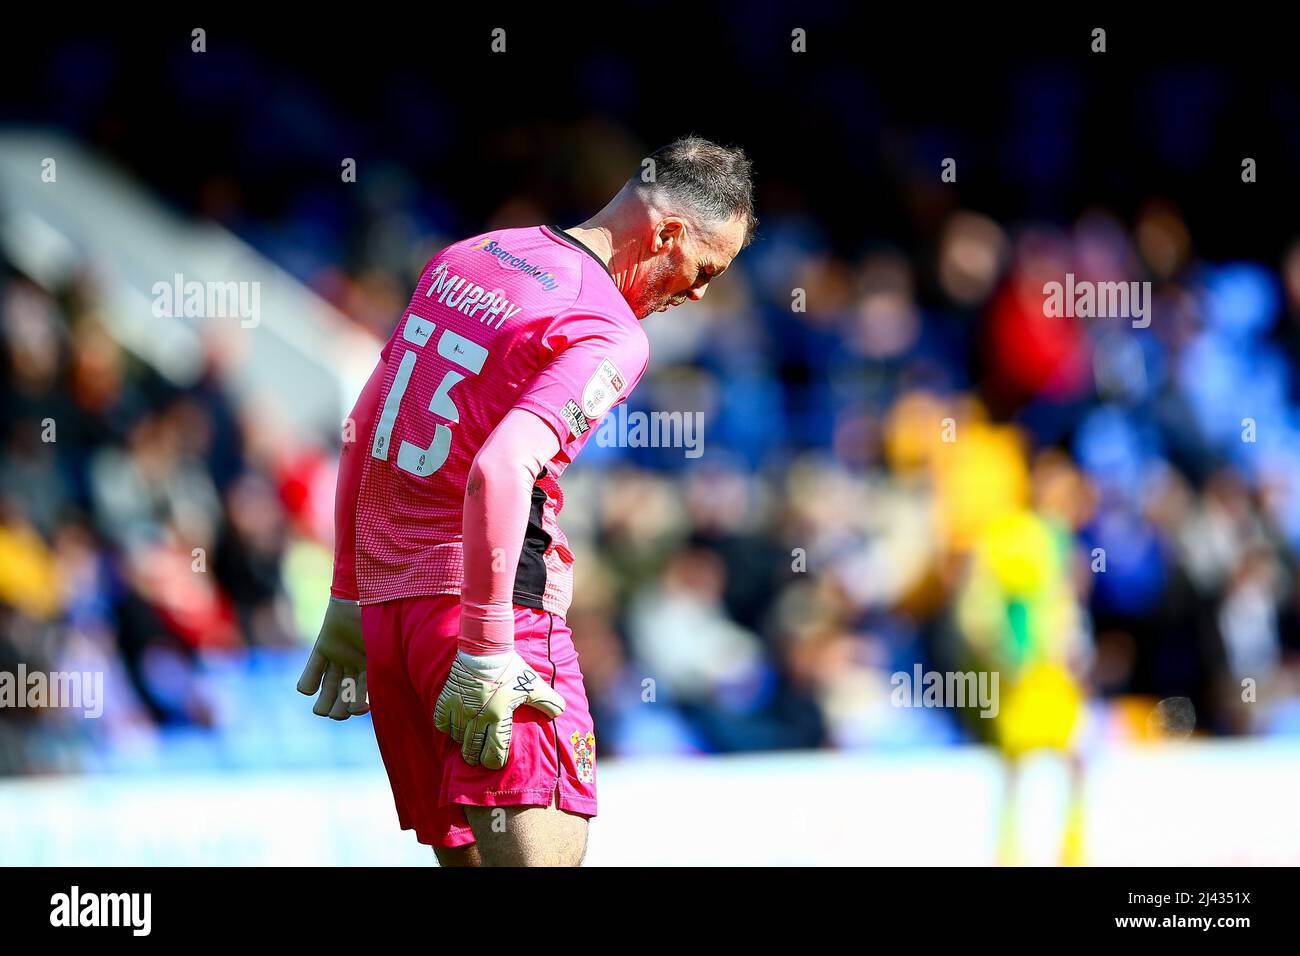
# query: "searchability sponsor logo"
[540,273]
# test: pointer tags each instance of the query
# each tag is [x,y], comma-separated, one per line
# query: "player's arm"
[551,420]
[488,679]
[498,498]
[347,488]
[339,654]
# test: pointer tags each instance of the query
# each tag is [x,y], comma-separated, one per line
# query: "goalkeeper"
[449,559]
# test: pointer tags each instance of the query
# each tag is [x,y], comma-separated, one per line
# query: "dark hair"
[715,181]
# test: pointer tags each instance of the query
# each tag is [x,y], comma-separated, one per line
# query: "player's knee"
[570,845]
[528,836]
[457,856]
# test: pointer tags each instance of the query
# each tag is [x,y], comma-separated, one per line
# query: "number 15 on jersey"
[456,349]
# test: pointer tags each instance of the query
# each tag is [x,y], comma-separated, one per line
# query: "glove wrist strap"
[487,666]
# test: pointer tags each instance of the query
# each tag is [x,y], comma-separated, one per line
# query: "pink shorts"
[410,644]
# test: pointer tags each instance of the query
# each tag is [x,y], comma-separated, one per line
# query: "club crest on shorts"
[604,386]
[584,755]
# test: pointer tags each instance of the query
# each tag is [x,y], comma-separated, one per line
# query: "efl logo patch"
[602,389]
[578,423]
[584,755]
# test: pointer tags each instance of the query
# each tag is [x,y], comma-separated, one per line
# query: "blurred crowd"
[142,526]
[923,467]
[919,466]
[905,460]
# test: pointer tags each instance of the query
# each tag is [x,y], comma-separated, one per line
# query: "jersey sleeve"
[348,487]
[594,363]
[497,502]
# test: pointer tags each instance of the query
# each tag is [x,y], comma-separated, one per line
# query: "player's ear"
[670,231]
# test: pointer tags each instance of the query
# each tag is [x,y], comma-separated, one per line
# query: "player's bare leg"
[528,836]
[458,855]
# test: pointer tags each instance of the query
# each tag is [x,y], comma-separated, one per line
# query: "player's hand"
[477,704]
[337,665]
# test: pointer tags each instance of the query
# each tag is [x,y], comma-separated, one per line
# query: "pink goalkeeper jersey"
[526,318]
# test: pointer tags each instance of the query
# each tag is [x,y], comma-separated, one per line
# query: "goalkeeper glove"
[477,704]
[337,665]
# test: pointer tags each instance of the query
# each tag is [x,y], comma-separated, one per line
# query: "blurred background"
[920,468]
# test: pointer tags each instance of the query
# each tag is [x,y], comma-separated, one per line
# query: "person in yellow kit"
[1017,613]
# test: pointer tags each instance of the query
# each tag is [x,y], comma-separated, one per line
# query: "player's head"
[682,220]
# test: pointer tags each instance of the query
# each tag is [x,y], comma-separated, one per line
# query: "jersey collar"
[563,236]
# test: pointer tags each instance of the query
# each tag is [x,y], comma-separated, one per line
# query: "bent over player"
[449,564]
